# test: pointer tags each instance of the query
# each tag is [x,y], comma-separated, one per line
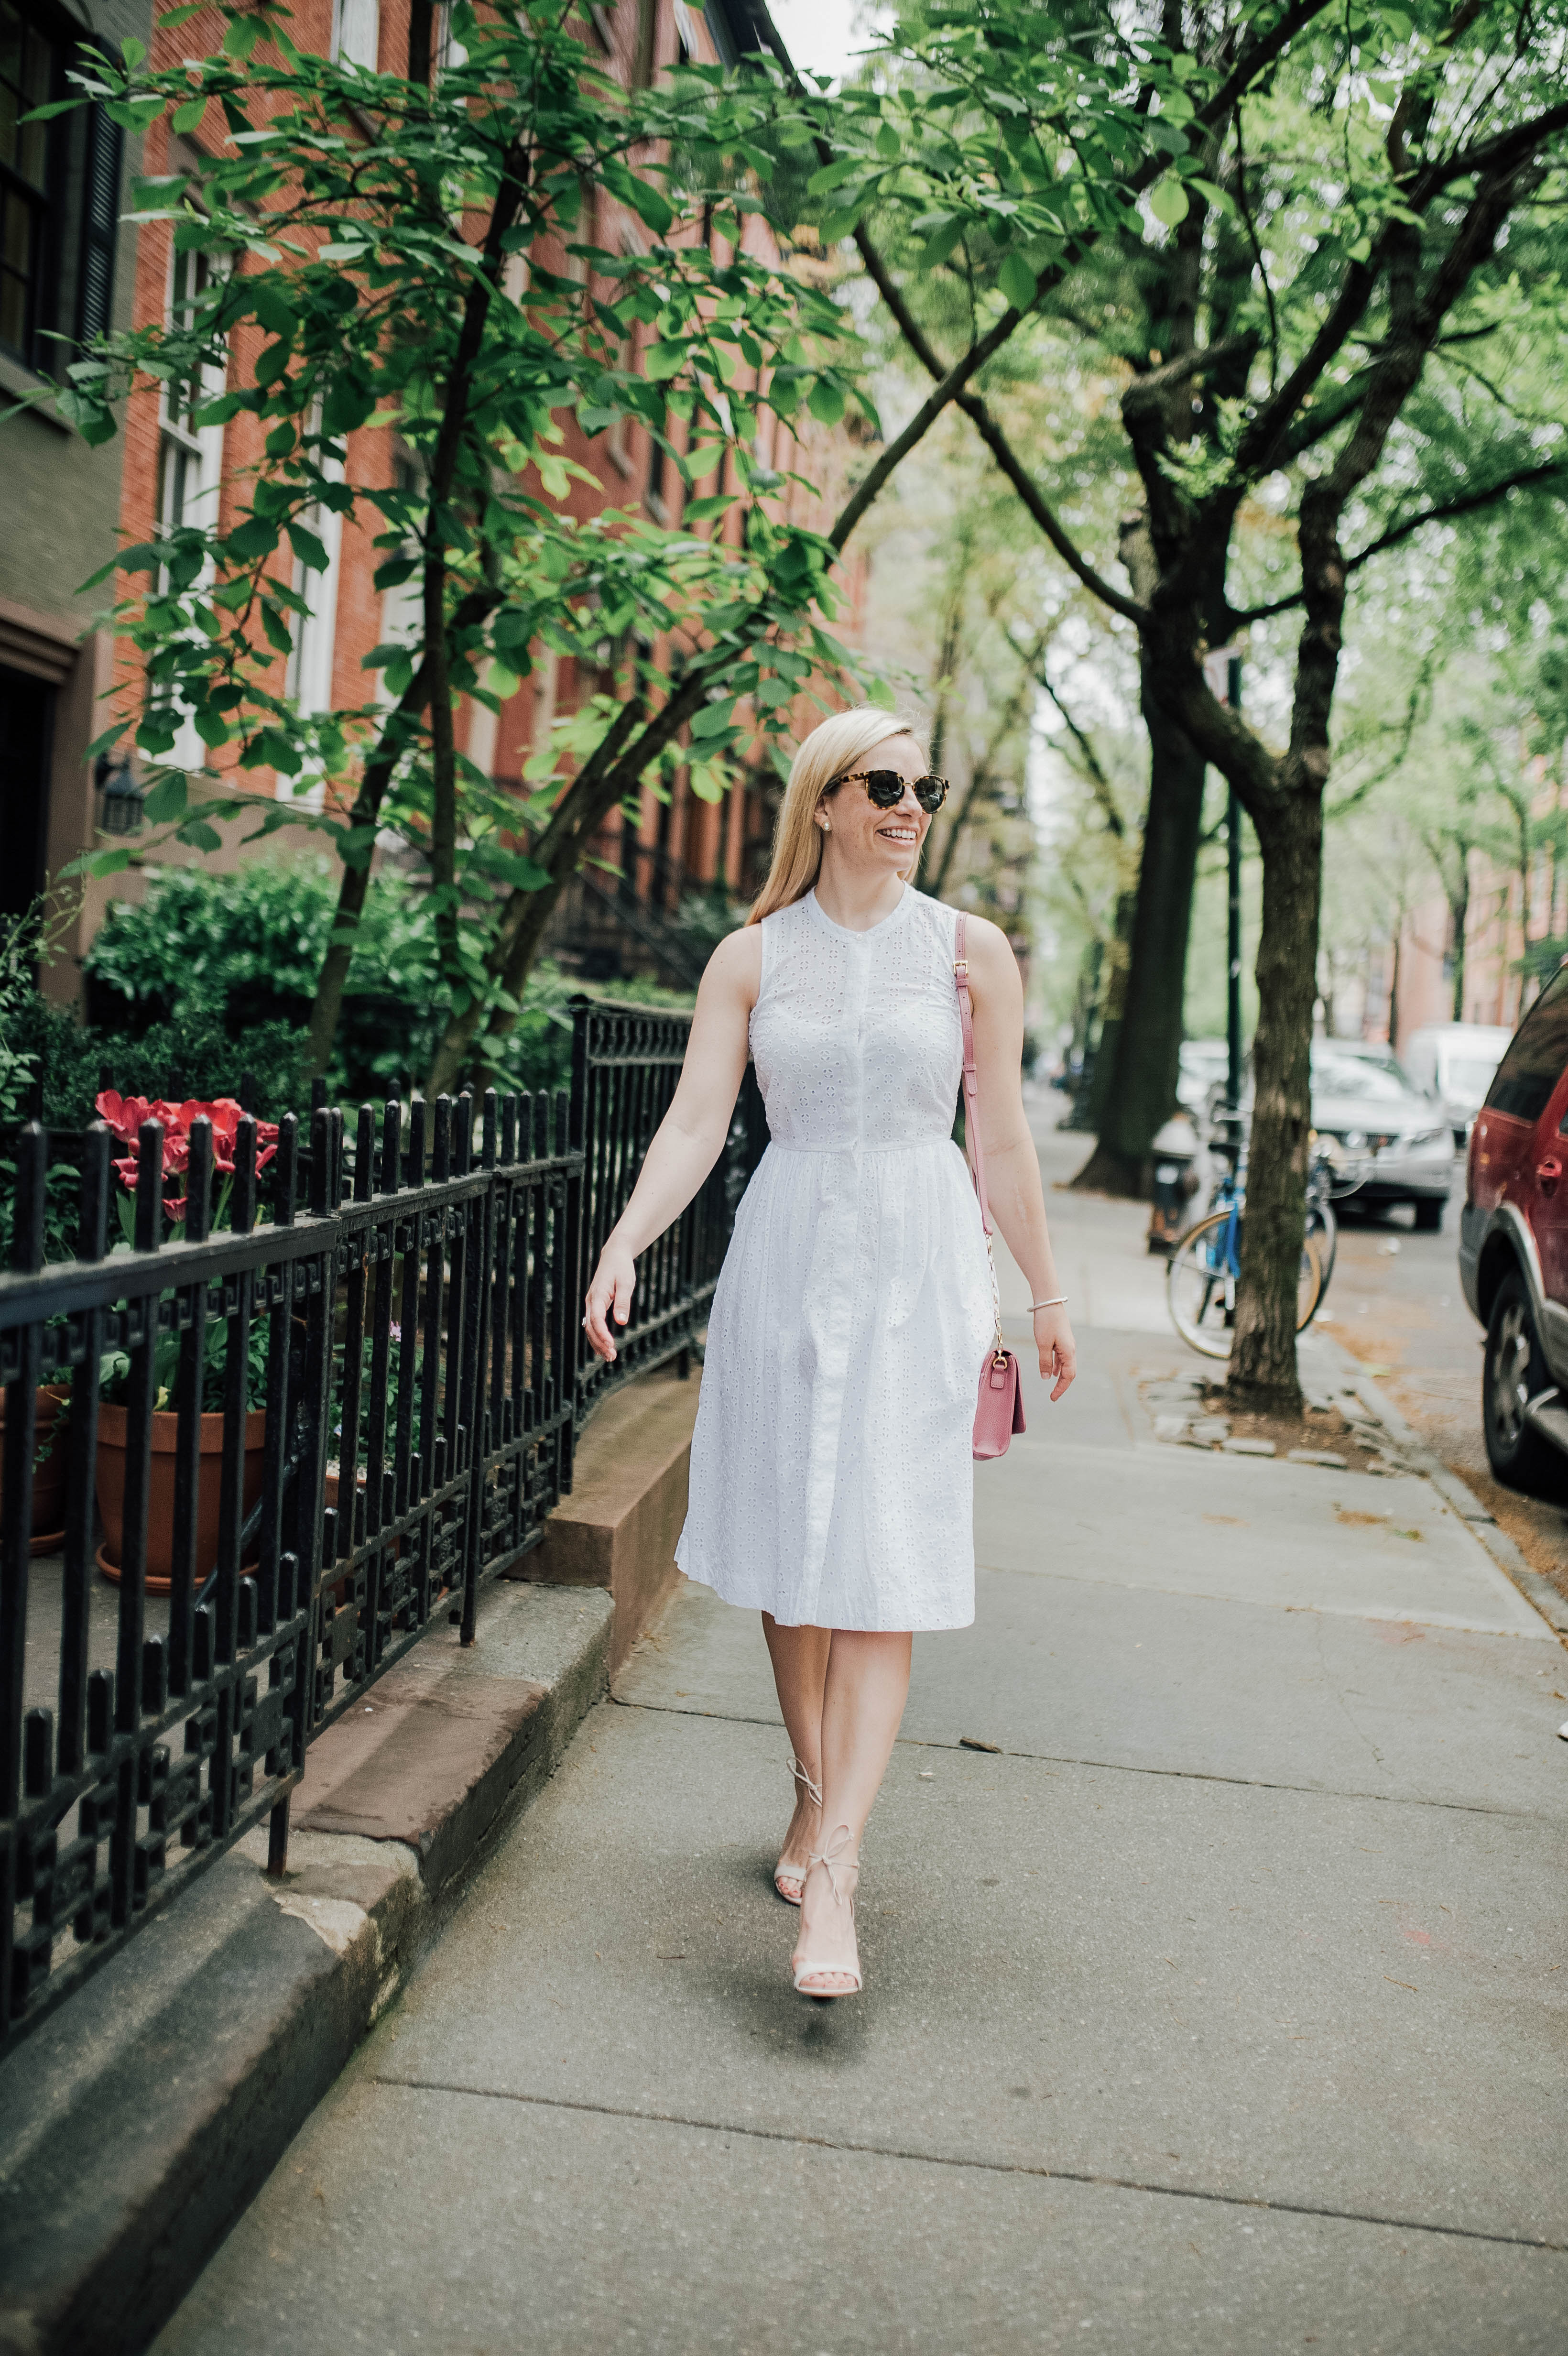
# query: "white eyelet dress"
[831,1474]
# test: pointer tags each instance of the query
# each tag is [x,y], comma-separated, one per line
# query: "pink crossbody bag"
[1000,1407]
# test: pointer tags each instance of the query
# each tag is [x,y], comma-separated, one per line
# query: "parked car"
[1205,1066]
[1375,1125]
[1453,1063]
[1513,1249]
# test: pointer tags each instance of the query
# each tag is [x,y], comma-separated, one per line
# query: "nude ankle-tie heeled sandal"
[789,1881]
[831,1856]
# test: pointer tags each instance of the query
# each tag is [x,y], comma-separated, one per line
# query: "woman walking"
[831,1473]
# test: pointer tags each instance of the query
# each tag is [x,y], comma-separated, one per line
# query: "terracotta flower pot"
[49,1469]
[111,1428]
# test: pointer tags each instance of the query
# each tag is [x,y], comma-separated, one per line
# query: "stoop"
[619,1526]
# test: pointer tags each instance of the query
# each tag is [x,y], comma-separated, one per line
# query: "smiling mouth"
[898,834]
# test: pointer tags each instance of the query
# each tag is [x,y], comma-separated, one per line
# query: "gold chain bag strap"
[1000,1407]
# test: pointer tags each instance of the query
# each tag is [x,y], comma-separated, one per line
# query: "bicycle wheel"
[1324,1229]
[1200,1285]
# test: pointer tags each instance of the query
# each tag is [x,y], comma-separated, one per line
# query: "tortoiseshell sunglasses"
[886,787]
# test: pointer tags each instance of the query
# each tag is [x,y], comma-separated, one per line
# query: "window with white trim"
[356,33]
[190,456]
[309,676]
[60,197]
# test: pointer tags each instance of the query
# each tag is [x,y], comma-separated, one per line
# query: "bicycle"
[1206,1266]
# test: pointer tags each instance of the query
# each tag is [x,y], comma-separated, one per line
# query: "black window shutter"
[99,225]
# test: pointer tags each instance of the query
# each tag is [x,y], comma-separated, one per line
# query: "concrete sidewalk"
[1219,2007]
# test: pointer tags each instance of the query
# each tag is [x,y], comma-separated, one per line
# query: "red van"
[1513,1250]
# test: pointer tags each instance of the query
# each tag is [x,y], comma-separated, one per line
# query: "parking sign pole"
[1234,912]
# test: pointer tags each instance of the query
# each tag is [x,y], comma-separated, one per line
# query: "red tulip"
[125,1115]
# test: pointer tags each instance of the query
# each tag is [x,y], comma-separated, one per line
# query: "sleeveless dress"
[831,1479]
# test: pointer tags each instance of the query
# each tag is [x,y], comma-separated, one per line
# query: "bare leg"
[863,1700]
[799,1656]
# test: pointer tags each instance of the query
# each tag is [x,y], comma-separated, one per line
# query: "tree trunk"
[1262,1358]
[1136,1072]
[1459,912]
[1113,1006]
[442,764]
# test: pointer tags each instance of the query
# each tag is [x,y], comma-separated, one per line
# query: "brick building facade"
[67,270]
[609,923]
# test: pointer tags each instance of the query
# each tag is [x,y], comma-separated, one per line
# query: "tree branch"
[355,883]
[1501,153]
[991,433]
[1100,784]
[951,382]
[1149,383]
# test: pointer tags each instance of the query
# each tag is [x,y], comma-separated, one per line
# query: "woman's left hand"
[1058,1350]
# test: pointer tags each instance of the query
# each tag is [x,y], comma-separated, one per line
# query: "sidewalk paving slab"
[1223,2009]
[653,2238]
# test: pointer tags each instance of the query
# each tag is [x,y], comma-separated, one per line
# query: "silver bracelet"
[1057,1300]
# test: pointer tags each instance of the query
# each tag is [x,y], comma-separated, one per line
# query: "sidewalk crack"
[1124,1767]
[1096,2176]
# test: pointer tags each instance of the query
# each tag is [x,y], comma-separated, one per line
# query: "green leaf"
[835,225]
[827,400]
[92,420]
[347,406]
[269,303]
[879,694]
[834,176]
[188,116]
[648,205]
[1017,281]
[277,628]
[1167,202]
[713,720]
[1219,197]
[168,800]
[157,734]
[699,510]
[252,539]
[663,360]
[937,249]
[240,36]
[308,547]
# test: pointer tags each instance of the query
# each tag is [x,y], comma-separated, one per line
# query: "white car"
[1455,1063]
[1377,1127]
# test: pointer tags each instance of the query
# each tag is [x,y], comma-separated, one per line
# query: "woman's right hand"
[614,1282]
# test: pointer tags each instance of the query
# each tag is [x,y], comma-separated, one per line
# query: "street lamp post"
[1234,911]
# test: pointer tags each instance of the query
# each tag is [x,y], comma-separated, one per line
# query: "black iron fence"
[276,1450]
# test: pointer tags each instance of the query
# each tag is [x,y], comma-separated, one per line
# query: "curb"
[1422,1459]
[144,2115]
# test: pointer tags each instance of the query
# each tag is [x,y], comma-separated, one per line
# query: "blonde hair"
[832,747]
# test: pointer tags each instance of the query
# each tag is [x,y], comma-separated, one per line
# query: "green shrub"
[238,955]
